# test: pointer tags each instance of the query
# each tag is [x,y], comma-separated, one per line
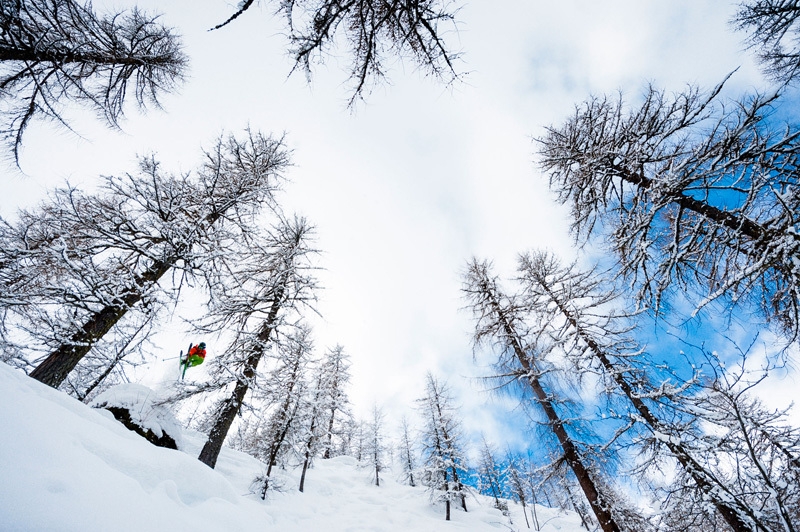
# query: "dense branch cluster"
[560,316]
[374,31]
[79,264]
[773,28]
[694,195]
[53,52]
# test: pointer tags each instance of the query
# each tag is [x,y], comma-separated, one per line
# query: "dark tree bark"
[485,296]
[267,286]
[231,407]
[55,368]
[237,175]
[727,504]
[312,432]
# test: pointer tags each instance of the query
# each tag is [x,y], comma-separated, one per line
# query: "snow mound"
[66,467]
[140,404]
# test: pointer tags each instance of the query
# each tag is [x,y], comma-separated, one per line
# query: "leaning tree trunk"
[231,407]
[31,55]
[275,446]
[55,368]
[572,455]
[726,503]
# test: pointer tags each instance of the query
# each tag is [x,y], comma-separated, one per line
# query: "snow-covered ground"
[67,467]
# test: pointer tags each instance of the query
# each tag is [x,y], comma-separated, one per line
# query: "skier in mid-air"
[194,357]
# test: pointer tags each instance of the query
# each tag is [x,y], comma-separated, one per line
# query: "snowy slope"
[67,467]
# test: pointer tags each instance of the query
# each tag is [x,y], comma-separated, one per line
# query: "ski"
[184,363]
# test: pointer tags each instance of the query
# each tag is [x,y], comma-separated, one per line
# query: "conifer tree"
[407,453]
[694,195]
[54,52]
[376,445]
[283,391]
[490,476]
[499,320]
[516,486]
[442,448]
[254,295]
[570,307]
[72,269]
[336,365]
[313,421]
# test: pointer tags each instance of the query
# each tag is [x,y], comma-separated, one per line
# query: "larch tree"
[406,449]
[257,292]
[55,268]
[693,195]
[313,421]
[443,453]
[754,447]
[490,475]
[49,272]
[773,28]
[515,484]
[336,364]
[109,252]
[54,52]
[500,320]
[572,308]
[376,443]
[374,31]
[358,439]
[283,393]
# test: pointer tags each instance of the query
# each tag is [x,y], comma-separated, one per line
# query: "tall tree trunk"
[571,454]
[311,436]
[461,491]
[446,501]
[231,407]
[449,450]
[55,368]
[307,460]
[327,454]
[525,513]
[726,503]
[275,448]
[410,467]
[305,468]
[31,55]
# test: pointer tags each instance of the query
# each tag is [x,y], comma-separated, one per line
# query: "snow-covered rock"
[135,406]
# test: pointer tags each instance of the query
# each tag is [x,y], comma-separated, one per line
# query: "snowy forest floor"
[67,467]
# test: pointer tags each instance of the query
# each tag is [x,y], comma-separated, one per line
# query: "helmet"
[202,345]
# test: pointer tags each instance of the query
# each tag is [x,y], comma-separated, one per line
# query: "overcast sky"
[421,177]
